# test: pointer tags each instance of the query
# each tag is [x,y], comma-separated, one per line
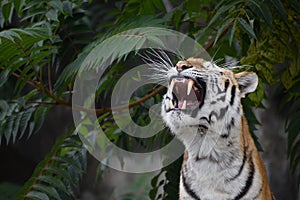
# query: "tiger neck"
[216,145]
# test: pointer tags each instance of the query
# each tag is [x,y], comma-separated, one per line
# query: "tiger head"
[202,96]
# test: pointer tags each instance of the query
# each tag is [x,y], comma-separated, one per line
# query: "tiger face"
[203,96]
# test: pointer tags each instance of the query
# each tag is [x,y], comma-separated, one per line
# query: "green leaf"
[159,4]
[60,172]
[67,8]
[14,107]
[296,86]
[54,182]
[10,35]
[8,128]
[52,15]
[39,117]
[262,10]
[222,10]
[37,195]
[7,11]
[19,4]
[70,161]
[50,191]
[3,109]
[280,9]
[31,128]
[232,31]
[4,77]
[246,27]
[155,40]
[226,24]
[26,115]
[16,126]
[56,4]
[193,6]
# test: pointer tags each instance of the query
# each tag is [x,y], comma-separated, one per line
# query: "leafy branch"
[57,175]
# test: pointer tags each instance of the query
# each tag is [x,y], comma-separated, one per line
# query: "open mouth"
[188,94]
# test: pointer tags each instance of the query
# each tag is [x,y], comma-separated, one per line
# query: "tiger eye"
[184,67]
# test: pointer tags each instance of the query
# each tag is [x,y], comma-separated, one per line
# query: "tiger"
[202,108]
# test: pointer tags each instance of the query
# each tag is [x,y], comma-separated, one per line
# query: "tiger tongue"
[186,103]
[182,104]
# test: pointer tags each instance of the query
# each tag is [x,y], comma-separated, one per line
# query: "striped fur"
[221,160]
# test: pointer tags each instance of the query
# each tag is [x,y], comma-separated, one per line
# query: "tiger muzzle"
[187,93]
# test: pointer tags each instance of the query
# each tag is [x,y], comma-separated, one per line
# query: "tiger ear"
[247,81]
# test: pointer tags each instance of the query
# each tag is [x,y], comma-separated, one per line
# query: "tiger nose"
[180,66]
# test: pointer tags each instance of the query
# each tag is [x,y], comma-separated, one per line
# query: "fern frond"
[23,51]
[117,47]
[59,173]
[18,118]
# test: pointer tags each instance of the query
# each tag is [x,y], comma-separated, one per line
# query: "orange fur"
[266,193]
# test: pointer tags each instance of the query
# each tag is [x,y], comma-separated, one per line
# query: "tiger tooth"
[172,86]
[177,88]
[189,87]
[183,105]
[171,105]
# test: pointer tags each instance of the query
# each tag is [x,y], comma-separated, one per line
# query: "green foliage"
[23,51]
[165,185]
[59,173]
[280,45]
[44,43]
[16,117]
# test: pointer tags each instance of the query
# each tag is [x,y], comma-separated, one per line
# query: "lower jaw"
[192,111]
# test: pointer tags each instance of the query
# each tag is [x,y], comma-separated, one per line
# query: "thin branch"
[40,75]
[29,82]
[42,103]
[49,78]
[48,163]
[138,102]
[105,110]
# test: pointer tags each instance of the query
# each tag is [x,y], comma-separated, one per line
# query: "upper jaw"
[185,94]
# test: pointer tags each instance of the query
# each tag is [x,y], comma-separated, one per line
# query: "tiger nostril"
[180,67]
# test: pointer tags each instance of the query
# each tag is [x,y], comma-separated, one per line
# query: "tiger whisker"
[156,65]
[158,56]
